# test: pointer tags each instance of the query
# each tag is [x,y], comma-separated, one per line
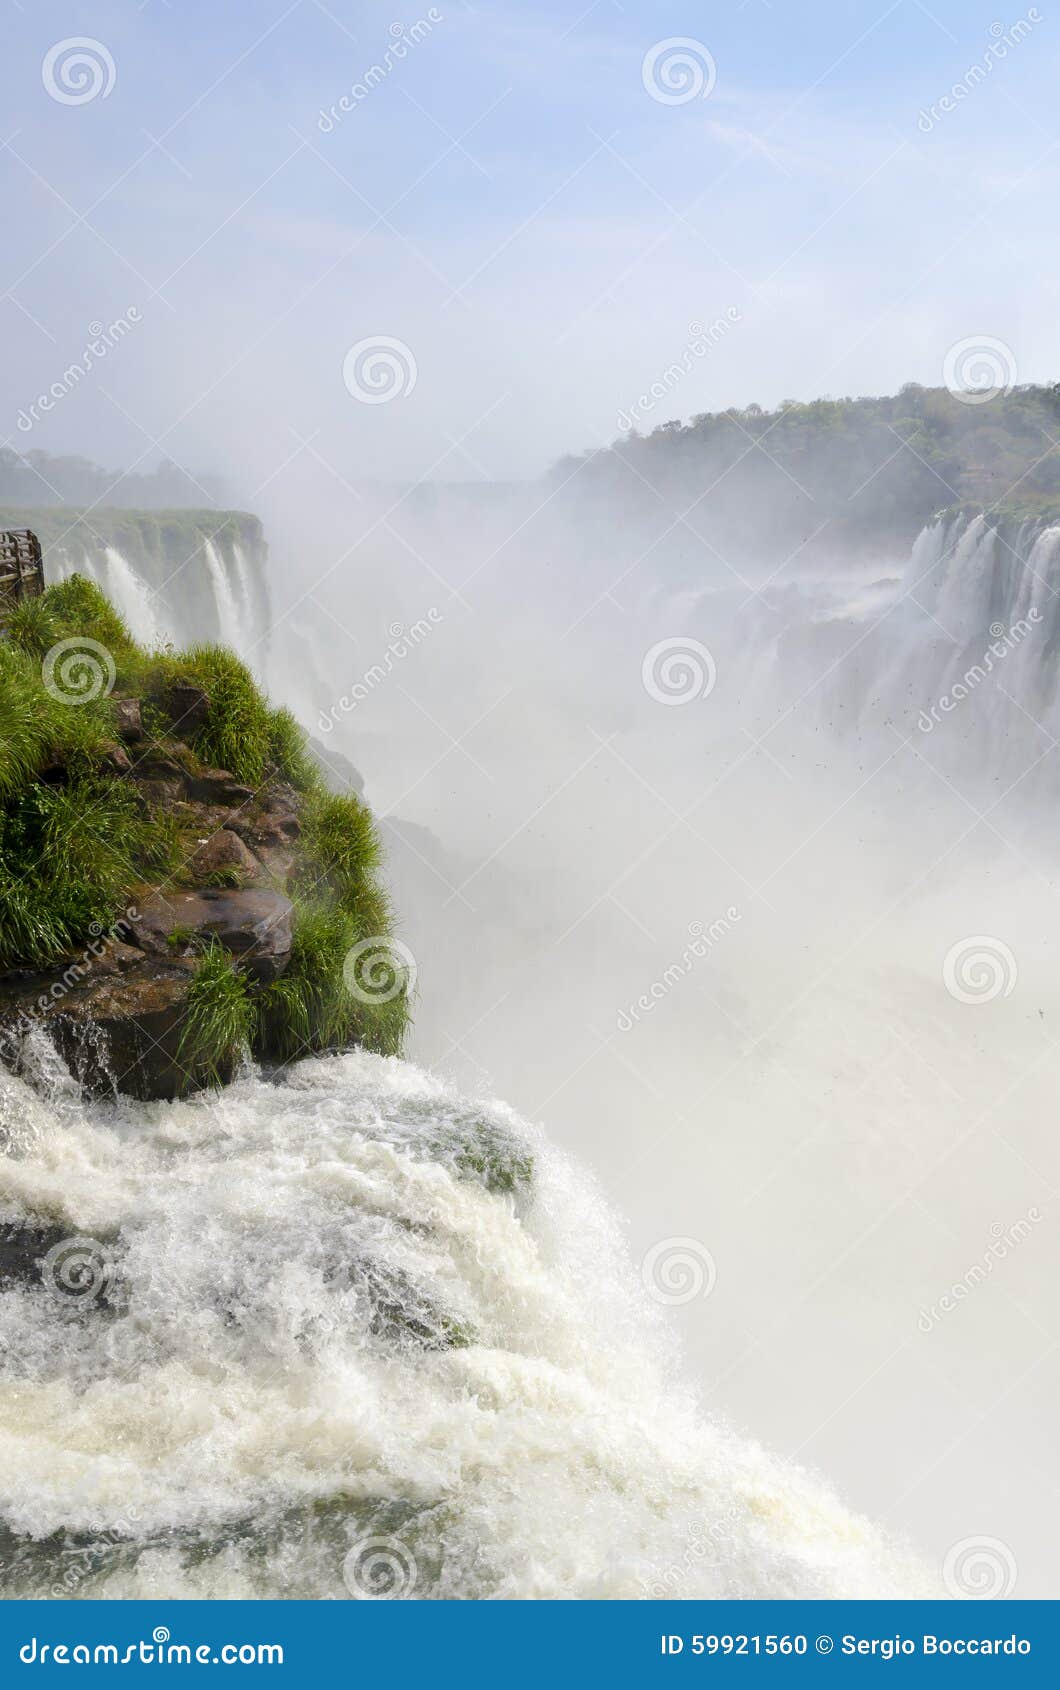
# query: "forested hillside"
[861,474]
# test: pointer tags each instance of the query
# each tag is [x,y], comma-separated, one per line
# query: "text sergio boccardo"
[798,1643]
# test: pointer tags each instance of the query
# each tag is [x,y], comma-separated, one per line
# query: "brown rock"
[116,759]
[255,926]
[216,786]
[222,852]
[128,720]
[187,706]
[116,1033]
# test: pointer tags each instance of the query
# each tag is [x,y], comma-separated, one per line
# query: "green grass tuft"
[221,1018]
[287,752]
[236,733]
[68,856]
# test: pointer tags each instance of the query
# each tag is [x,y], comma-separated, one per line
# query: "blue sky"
[511,204]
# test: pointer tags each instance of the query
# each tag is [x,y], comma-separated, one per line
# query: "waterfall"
[247,611]
[232,629]
[290,1326]
[175,577]
[132,598]
[955,655]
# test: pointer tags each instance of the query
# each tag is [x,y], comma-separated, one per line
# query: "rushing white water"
[953,656]
[132,598]
[247,611]
[296,1317]
[232,630]
[190,585]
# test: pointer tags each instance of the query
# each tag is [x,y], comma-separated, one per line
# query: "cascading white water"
[954,656]
[301,1330]
[187,584]
[247,613]
[232,627]
[132,598]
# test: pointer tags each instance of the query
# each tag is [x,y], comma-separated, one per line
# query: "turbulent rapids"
[350,1334]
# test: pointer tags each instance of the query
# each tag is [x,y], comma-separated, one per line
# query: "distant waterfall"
[132,597]
[232,629]
[955,654]
[176,577]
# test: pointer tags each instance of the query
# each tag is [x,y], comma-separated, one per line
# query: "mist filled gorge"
[529,906]
[733,886]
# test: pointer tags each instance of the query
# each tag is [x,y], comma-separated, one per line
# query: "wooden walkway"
[21,569]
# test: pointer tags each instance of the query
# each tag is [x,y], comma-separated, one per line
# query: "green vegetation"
[68,853]
[220,1020]
[236,733]
[78,838]
[287,752]
[835,471]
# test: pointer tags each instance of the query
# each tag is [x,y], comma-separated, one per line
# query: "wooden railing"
[21,569]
